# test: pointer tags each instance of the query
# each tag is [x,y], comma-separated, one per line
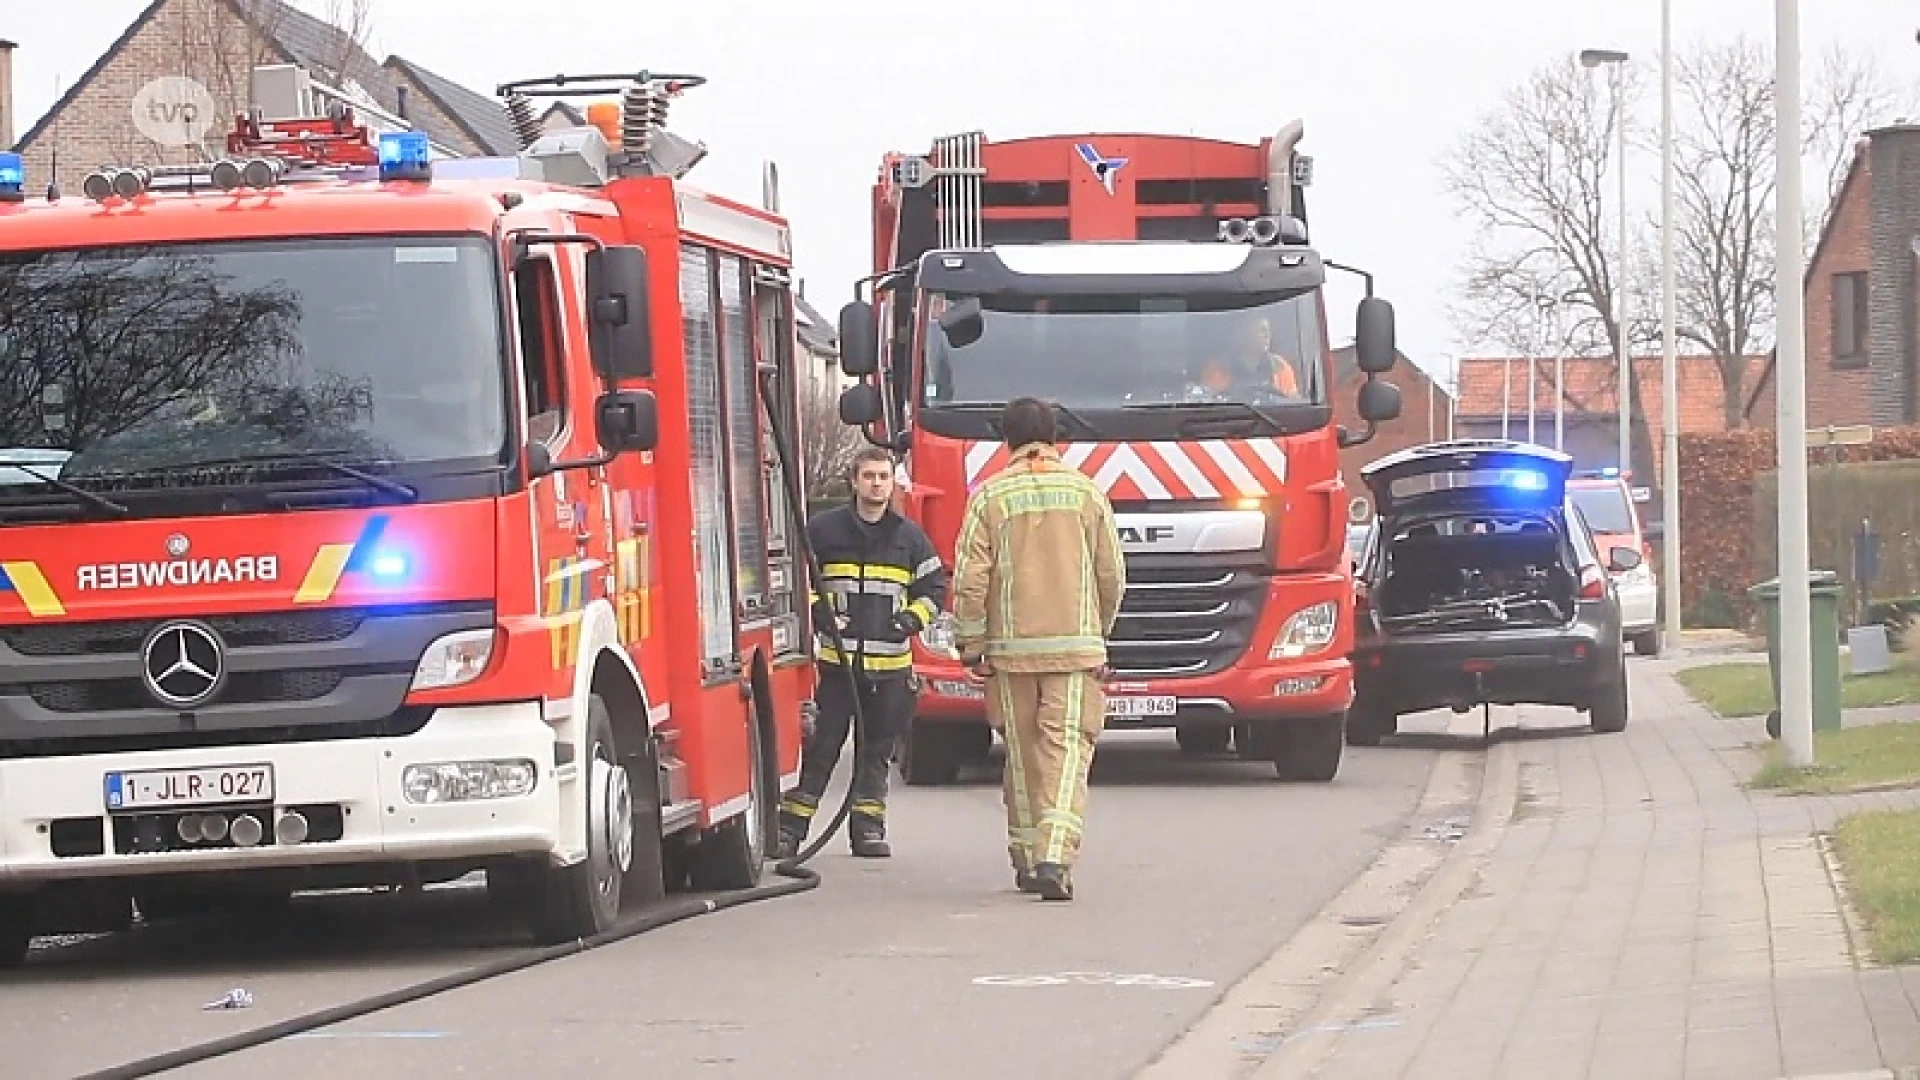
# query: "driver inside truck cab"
[1251,364]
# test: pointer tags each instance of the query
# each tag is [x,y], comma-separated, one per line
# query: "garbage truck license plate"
[1143,706]
[189,787]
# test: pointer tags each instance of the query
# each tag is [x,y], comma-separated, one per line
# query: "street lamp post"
[1796,635]
[1623,399]
[1669,376]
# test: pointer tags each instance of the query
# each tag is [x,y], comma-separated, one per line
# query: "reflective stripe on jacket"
[870,572]
[1038,572]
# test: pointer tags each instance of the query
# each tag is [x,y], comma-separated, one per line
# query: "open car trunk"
[1463,582]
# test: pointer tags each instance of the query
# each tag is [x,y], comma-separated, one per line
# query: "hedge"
[1726,535]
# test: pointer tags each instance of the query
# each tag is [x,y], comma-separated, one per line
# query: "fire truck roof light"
[405,155]
[13,178]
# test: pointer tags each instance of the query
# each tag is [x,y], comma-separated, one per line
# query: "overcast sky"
[825,87]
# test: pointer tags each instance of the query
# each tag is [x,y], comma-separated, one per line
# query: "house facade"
[1863,293]
[1493,404]
[184,57]
[1426,408]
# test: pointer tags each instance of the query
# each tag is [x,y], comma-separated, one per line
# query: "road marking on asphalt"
[1095,978]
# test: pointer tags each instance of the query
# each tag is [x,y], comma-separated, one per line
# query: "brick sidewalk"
[1641,916]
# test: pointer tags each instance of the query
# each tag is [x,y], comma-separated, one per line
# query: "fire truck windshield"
[1114,352]
[122,365]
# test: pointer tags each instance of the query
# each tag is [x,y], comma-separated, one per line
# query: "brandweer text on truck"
[1161,291]
[370,517]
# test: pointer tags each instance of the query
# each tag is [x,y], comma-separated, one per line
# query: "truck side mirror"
[627,420]
[1379,401]
[860,405]
[1373,343]
[859,343]
[961,323]
[619,322]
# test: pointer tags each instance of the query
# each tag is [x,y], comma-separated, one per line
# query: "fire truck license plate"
[1142,706]
[189,787]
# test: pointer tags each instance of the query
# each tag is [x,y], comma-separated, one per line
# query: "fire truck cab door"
[557,390]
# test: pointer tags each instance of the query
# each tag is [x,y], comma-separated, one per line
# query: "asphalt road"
[928,964]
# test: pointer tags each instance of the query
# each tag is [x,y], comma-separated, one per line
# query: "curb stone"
[1284,1000]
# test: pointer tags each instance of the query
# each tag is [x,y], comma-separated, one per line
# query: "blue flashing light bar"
[1529,481]
[13,178]
[405,155]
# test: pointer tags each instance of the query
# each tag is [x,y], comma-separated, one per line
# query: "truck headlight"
[1306,631]
[937,638]
[467,781]
[454,660]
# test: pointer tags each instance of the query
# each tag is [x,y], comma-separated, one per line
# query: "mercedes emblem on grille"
[183,664]
[177,545]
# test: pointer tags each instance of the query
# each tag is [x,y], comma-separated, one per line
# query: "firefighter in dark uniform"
[882,583]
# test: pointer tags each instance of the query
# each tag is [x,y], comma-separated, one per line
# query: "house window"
[1850,320]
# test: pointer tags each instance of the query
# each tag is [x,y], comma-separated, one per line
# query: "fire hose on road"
[800,878]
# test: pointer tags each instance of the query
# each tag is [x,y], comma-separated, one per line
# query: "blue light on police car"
[13,178]
[1609,472]
[389,565]
[405,155]
[1529,481]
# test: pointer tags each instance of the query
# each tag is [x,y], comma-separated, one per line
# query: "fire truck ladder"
[958,176]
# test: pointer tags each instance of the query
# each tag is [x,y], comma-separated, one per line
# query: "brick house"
[1492,386]
[1425,407]
[1863,292]
[217,43]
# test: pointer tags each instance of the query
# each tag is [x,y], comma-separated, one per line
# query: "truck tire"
[734,855]
[1608,713]
[1368,723]
[1203,738]
[1307,749]
[1647,643]
[932,752]
[568,903]
[16,929]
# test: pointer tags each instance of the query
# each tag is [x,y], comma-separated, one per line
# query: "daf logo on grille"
[177,545]
[183,664]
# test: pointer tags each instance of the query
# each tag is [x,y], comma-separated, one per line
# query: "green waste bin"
[1824,587]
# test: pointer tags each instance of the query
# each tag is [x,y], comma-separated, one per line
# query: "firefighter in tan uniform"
[1037,583]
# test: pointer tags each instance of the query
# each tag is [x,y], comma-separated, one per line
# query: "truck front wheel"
[16,928]
[568,903]
[934,750]
[1308,748]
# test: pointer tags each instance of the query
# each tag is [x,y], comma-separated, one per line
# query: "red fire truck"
[1161,291]
[369,517]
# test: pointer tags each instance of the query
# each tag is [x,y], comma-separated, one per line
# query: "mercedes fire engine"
[372,518]
[1161,291]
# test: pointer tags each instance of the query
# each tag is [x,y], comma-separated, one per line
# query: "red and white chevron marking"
[1207,469]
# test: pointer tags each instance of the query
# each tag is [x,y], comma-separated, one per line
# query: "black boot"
[1025,881]
[1054,881]
[793,834]
[868,838]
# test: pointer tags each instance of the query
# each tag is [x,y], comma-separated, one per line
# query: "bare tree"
[1725,161]
[352,23]
[1723,149]
[828,445]
[1851,94]
[1535,178]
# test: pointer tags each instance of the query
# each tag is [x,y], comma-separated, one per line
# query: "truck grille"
[114,695]
[1183,619]
[239,631]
